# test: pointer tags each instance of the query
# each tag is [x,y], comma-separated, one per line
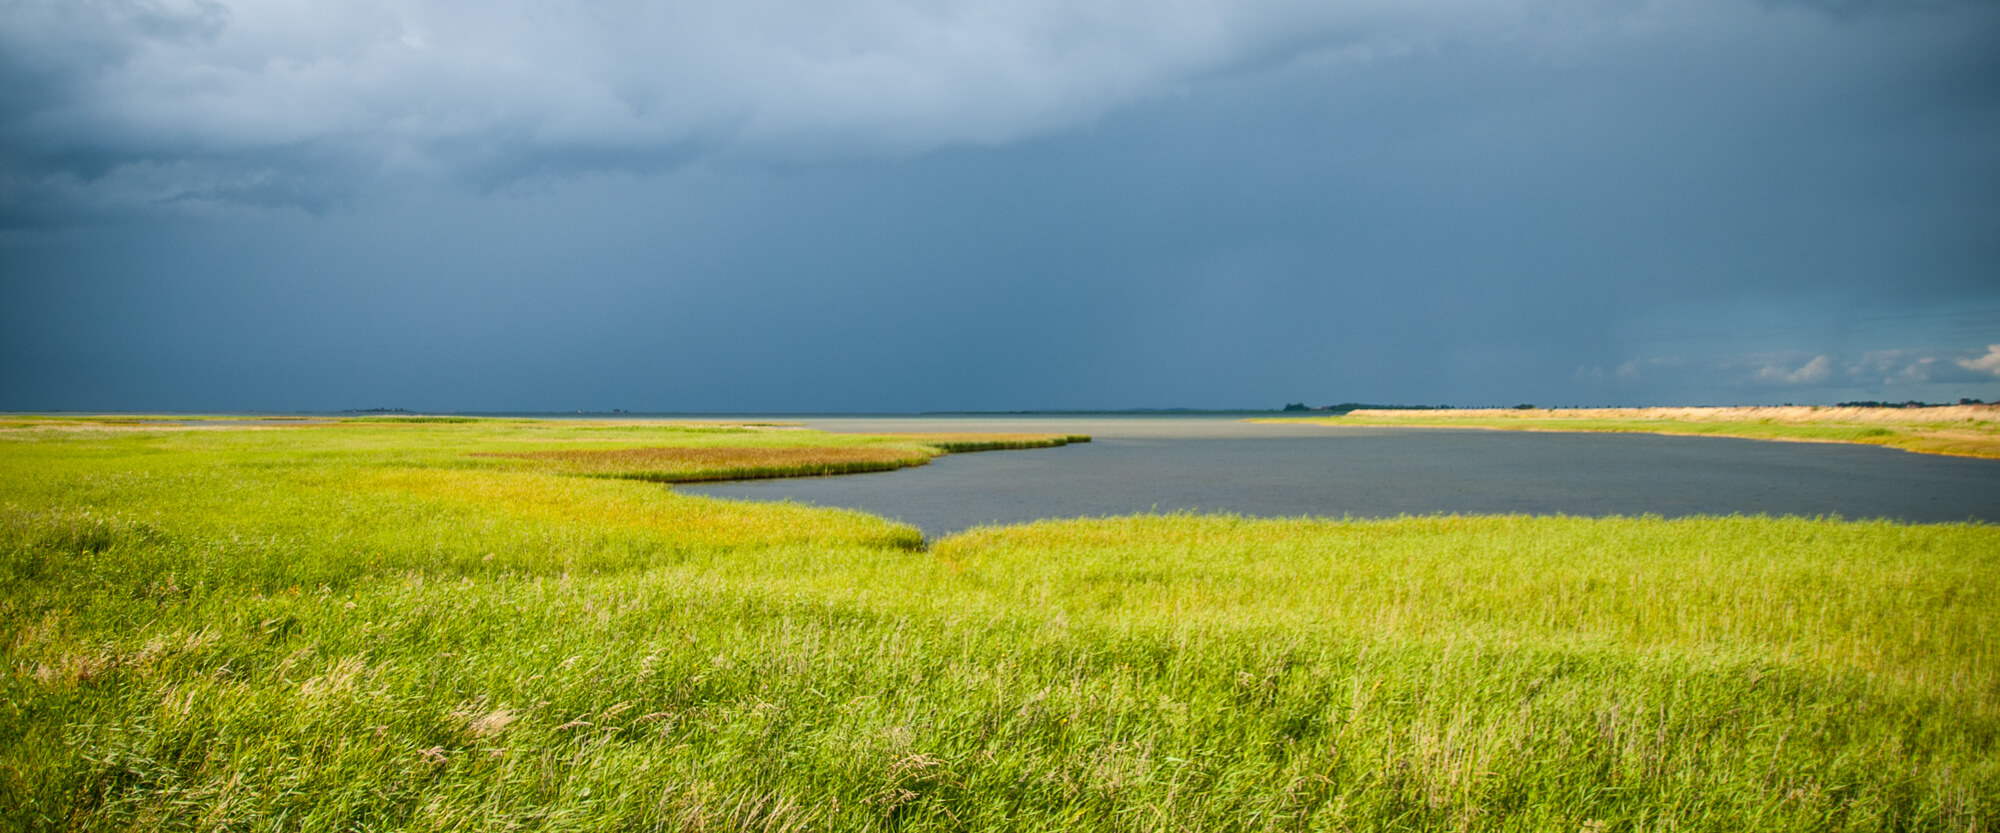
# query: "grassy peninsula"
[500,624]
[1958,430]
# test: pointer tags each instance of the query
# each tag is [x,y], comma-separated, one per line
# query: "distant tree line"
[1910,404]
[1344,407]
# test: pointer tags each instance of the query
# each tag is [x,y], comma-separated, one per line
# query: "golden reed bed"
[1789,414]
[1953,430]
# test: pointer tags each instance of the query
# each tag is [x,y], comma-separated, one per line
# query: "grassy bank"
[365,626]
[1957,430]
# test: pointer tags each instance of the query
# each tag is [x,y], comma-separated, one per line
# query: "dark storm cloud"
[156,99]
[865,207]
[123,101]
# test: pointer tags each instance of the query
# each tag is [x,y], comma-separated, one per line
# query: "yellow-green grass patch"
[364,627]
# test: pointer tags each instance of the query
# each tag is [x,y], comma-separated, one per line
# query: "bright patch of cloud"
[1884,374]
[1987,364]
[1813,372]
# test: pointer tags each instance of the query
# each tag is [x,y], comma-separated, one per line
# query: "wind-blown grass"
[364,627]
[1957,430]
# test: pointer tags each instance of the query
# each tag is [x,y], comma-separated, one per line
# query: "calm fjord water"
[1220,464]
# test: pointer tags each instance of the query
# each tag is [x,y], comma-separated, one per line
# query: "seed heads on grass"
[491,723]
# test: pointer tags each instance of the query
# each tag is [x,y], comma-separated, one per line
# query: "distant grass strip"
[18,422]
[418,420]
[698,464]
[1960,430]
[755,457]
[968,442]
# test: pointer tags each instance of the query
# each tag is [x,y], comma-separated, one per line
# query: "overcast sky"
[860,205]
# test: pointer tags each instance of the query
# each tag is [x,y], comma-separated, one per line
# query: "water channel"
[1138,464]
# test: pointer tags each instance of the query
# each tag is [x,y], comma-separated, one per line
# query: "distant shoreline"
[1951,430]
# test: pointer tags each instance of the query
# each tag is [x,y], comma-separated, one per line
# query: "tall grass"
[361,627]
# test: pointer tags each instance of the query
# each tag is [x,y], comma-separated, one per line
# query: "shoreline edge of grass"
[1951,430]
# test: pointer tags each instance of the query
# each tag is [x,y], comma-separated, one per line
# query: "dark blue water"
[1207,464]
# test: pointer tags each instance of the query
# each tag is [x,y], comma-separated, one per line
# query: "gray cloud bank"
[273,102]
[1891,374]
[268,101]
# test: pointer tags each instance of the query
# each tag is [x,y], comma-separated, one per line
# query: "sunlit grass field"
[377,626]
[1953,430]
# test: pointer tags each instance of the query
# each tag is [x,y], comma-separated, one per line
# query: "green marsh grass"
[362,627]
